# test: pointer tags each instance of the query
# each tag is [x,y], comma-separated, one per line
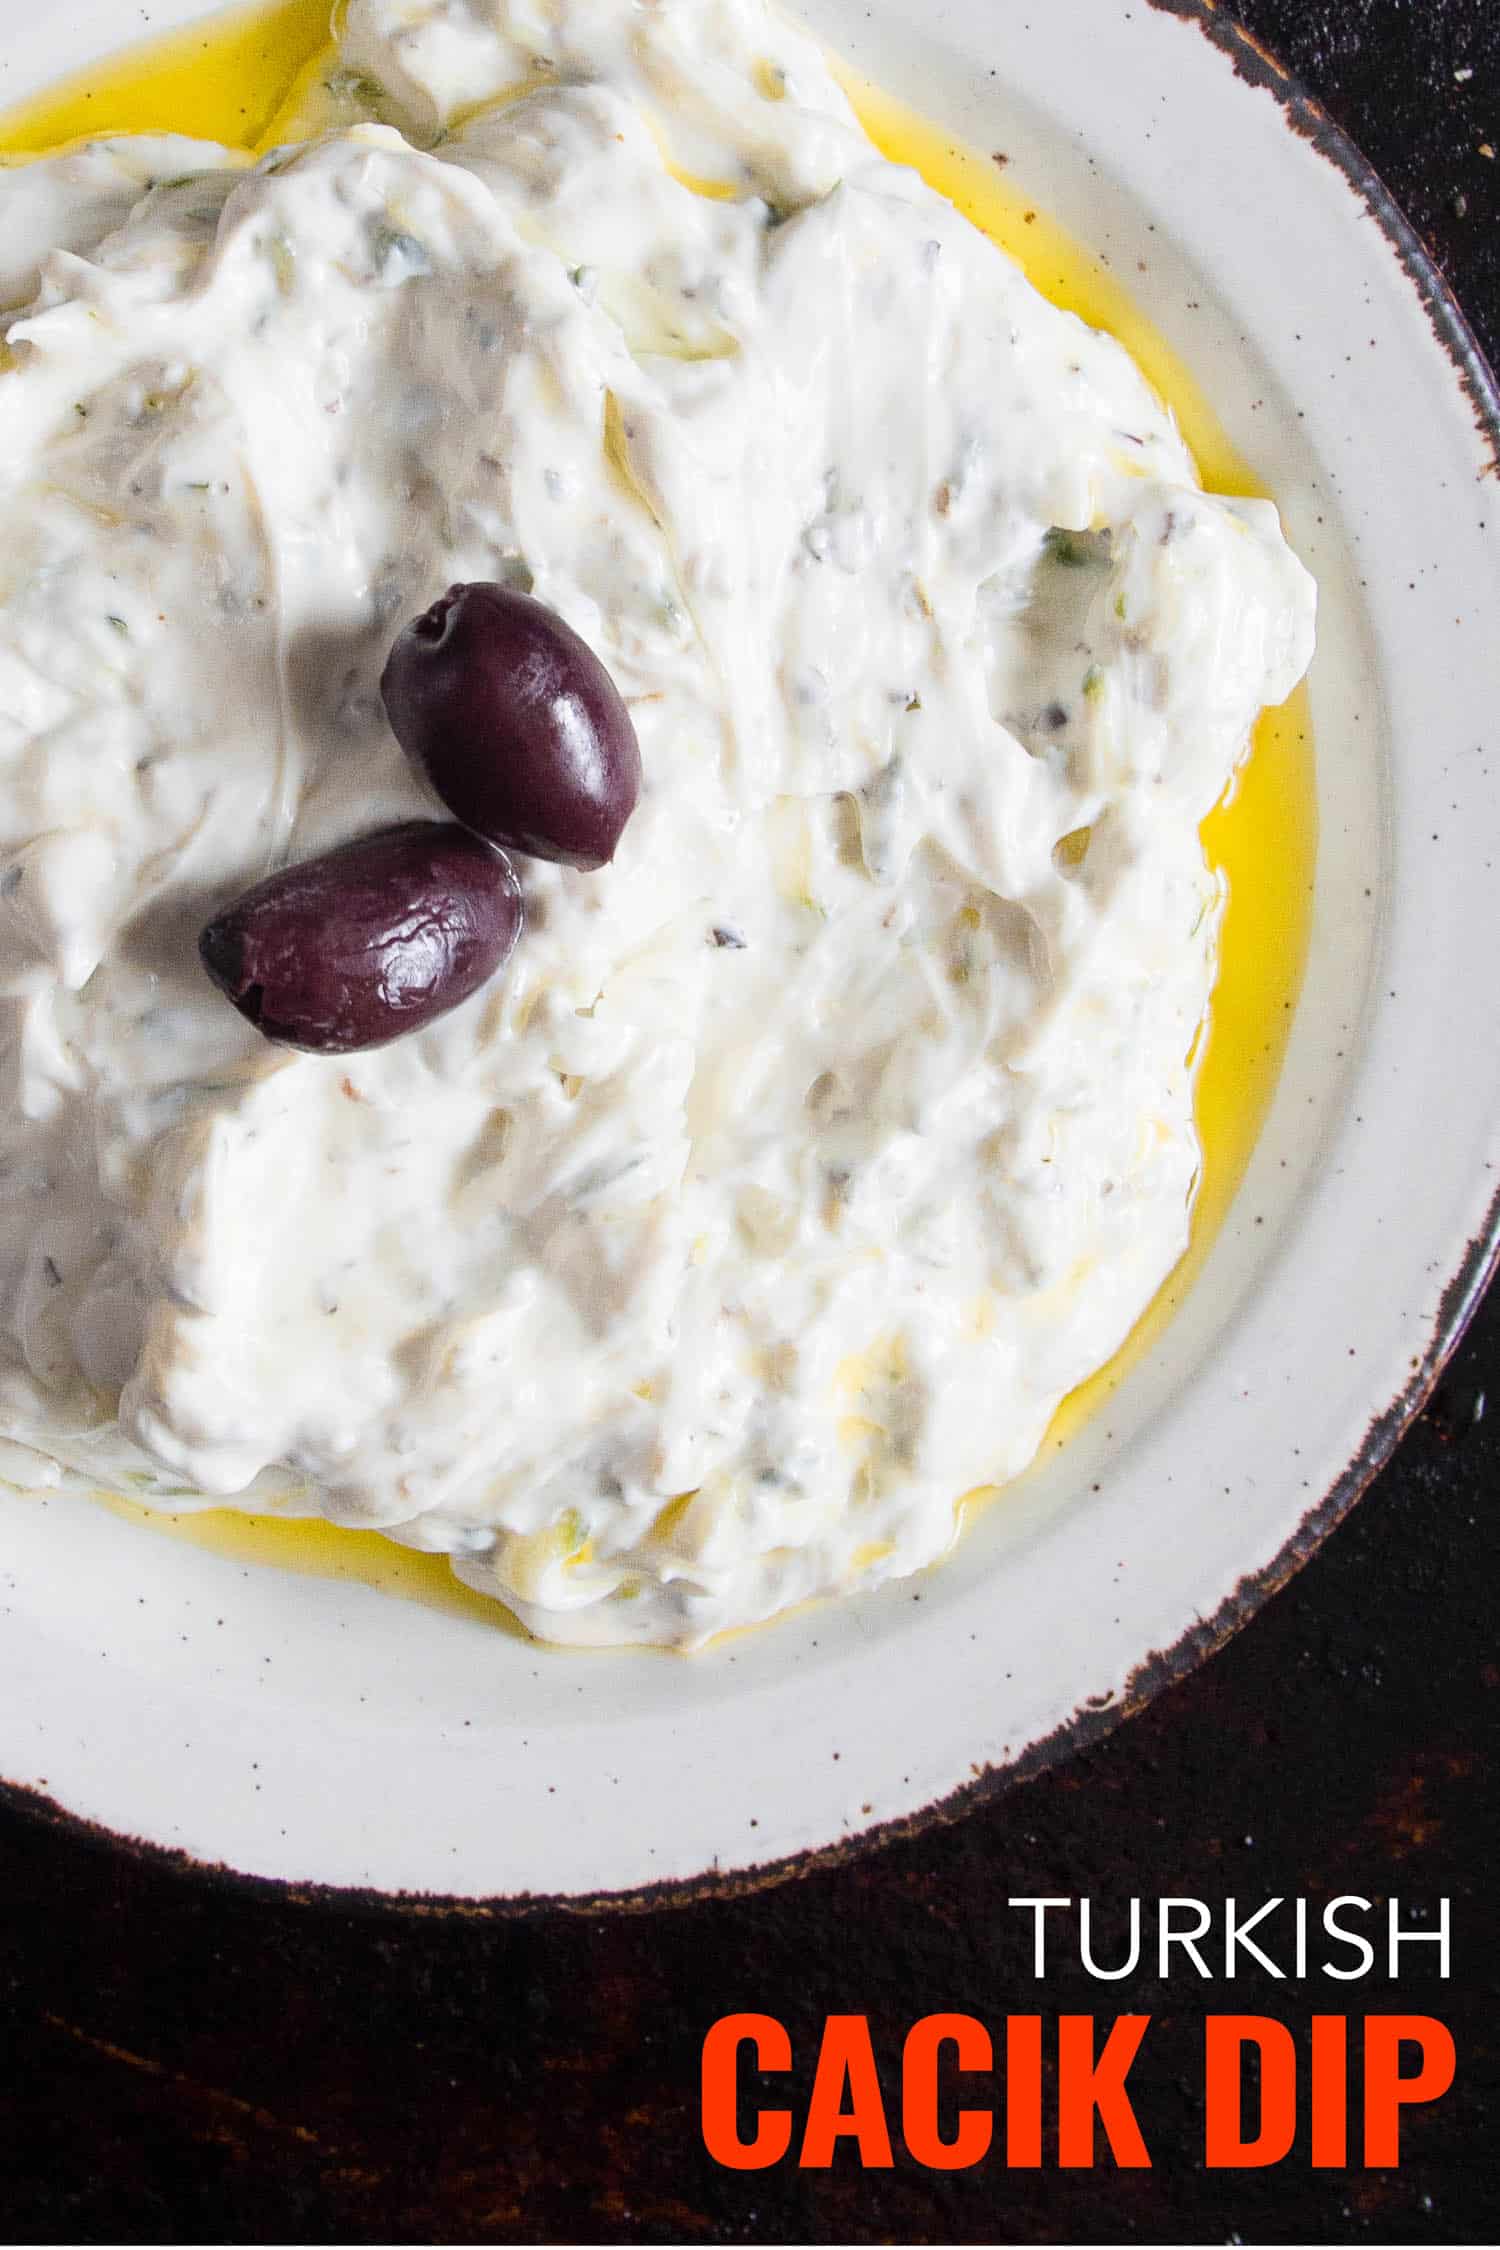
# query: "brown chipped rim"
[1097,1718]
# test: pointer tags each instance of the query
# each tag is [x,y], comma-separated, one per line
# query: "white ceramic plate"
[300,1729]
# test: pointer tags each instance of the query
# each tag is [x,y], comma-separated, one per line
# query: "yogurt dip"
[806,1157]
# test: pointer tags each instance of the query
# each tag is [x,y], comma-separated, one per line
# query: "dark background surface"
[183,2063]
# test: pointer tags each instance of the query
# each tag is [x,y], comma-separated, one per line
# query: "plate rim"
[1092,1721]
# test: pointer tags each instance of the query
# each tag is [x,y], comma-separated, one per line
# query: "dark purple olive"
[516,724]
[377,938]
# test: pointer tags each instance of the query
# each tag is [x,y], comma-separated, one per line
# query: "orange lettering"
[919,2093]
[846,2059]
[1227,2039]
[1087,2088]
[1330,2092]
[721,2054]
[1023,2093]
[1387,2092]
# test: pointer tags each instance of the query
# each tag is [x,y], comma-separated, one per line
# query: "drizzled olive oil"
[230,79]
[220,80]
[1262,840]
[315,1549]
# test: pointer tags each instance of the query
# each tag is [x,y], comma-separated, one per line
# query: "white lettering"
[1039,1907]
[1237,1934]
[1335,1929]
[1085,1942]
[1167,1937]
[1400,1937]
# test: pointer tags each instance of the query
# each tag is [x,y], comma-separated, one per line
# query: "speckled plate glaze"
[307,1731]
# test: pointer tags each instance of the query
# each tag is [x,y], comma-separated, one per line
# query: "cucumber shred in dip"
[810,1153]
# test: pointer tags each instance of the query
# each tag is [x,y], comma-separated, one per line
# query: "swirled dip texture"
[807,1155]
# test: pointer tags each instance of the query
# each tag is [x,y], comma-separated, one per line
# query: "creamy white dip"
[806,1157]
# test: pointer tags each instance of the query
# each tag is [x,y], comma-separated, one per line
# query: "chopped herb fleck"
[1077,550]
[396,254]
[283,263]
[354,86]
[1065,548]
[514,570]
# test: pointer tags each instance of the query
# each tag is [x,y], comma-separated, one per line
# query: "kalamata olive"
[377,938]
[516,724]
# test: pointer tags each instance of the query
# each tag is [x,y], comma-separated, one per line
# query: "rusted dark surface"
[1229,28]
[189,2064]
[1388,71]
[186,2066]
